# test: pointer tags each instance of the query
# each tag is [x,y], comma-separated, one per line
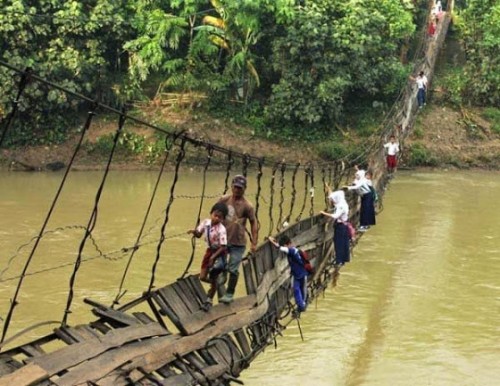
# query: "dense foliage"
[286,64]
[76,44]
[479,24]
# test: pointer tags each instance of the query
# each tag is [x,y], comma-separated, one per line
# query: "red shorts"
[391,161]
[205,262]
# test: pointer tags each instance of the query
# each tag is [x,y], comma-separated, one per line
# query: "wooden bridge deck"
[126,346]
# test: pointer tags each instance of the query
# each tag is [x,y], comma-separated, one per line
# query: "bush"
[128,143]
[332,151]
[421,156]
[453,84]
[418,133]
[493,115]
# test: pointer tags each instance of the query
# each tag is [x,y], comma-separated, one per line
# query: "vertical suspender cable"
[271,199]
[259,188]
[92,219]
[23,82]
[13,303]
[306,173]
[178,161]
[311,191]
[293,193]
[279,225]
[210,152]
[230,162]
[168,147]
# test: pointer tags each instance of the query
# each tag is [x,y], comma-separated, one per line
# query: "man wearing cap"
[240,210]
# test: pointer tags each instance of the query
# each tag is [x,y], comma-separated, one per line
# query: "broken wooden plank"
[249,277]
[187,296]
[160,351]
[115,318]
[50,364]
[32,350]
[171,298]
[100,366]
[195,283]
[143,317]
[242,340]
[258,267]
[210,372]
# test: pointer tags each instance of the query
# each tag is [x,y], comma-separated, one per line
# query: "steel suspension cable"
[204,184]
[230,162]
[121,292]
[92,220]
[312,191]
[260,164]
[306,174]
[271,199]
[178,161]
[279,225]
[23,82]
[293,193]
[246,163]
[14,301]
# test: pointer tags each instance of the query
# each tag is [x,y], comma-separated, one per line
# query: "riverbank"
[442,137]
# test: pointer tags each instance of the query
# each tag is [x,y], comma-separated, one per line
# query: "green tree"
[332,52]
[76,44]
[479,24]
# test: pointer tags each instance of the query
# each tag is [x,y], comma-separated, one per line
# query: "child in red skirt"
[214,260]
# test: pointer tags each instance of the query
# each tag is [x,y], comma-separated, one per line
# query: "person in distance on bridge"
[392,148]
[214,260]
[240,210]
[421,81]
[297,268]
[341,237]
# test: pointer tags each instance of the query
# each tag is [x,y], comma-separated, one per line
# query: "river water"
[418,305]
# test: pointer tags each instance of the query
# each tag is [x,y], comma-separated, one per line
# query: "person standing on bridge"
[341,238]
[240,210]
[297,268]
[392,148]
[214,260]
[367,209]
[421,81]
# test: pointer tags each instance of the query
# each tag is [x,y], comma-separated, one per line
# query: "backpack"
[374,194]
[307,261]
[350,229]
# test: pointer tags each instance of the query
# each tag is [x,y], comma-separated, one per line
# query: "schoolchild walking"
[392,149]
[367,210]
[341,238]
[214,259]
[297,268]
[421,81]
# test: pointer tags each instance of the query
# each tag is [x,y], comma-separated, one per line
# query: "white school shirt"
[392,148]
[422,82]
[341,212]
[218,234]
[361,186]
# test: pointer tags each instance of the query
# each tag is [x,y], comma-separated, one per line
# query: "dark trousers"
[300,293]
[421,97]
[341,243]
